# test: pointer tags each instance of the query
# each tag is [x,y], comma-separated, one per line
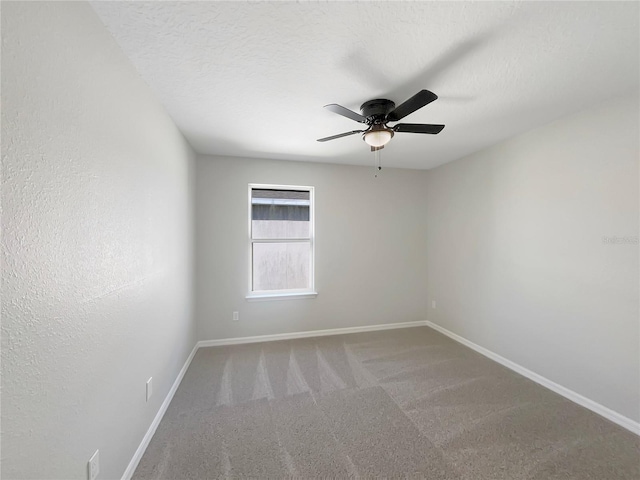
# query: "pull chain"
[377,158]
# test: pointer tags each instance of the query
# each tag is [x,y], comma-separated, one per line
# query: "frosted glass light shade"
[378,138]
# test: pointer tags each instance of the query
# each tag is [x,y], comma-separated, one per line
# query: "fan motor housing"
[377,110]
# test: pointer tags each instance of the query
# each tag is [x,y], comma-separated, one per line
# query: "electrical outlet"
[236,316]
[433,304]
[149,388]
[94,465]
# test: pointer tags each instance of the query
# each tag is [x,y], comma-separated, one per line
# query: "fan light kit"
[378,136]
[376,114]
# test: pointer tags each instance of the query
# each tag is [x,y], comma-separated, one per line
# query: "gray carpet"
[407,403]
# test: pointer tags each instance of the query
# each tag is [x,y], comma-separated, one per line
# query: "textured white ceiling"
[250,79]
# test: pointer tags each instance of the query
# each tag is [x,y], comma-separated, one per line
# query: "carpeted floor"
[394,404]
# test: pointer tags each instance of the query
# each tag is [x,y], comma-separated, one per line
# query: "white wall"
[517,262]
[370,248]
[96,247]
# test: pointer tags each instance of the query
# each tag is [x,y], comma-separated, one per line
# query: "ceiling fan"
[376,114]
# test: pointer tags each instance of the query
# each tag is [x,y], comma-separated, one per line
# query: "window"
[280,241]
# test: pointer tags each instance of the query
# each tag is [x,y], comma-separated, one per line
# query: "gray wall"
[370,248]
[518,259]
[96,246]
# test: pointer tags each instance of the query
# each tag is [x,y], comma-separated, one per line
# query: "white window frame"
[288,293]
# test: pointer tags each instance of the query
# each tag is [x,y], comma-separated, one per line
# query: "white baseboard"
[311,333]
[595,407]
[133,464]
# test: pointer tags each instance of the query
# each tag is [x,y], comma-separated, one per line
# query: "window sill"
[258,297]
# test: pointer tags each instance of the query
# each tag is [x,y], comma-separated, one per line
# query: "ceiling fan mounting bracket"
[377,110]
